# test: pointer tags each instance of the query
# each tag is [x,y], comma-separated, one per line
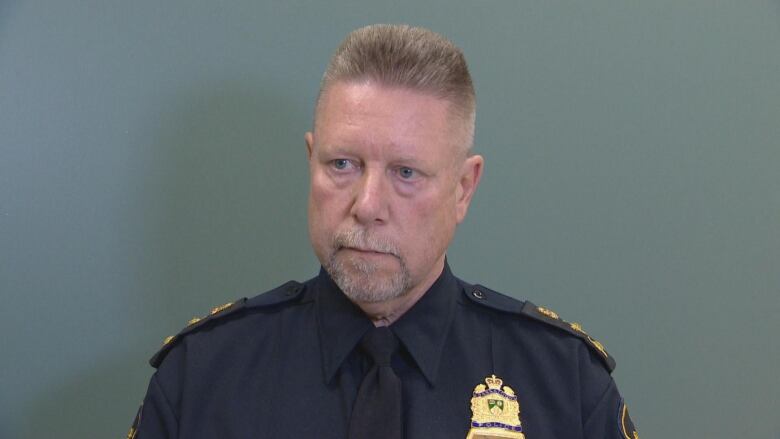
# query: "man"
[385,341]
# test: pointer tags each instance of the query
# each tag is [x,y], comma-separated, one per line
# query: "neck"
[387,312]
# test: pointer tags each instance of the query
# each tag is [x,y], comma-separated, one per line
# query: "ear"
[309,137]
[468,180]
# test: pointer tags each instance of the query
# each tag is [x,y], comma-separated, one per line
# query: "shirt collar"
[422,330]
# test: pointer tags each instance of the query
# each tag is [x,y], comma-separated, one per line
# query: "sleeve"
[156,419]
[609,419]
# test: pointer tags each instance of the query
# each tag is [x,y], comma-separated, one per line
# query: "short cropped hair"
[409,57]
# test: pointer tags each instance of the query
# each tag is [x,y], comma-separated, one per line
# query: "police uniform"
[284,364]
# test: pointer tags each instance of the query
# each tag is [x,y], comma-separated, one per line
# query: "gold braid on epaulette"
[548,316]
[194,323]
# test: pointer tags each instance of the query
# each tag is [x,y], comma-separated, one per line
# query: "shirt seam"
[602,398]
[167,401]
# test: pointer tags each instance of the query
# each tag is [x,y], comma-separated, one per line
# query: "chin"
[371,293]
[366,282]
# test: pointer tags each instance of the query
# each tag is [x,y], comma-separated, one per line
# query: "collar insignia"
[495,412]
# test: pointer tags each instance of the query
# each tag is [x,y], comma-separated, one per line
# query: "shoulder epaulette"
[278,295]
[492,299]
[546,316]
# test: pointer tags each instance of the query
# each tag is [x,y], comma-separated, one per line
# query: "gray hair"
[409,57]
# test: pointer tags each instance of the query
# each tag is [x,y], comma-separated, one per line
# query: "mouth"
[367,252]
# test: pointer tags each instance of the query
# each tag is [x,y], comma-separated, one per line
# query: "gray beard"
[358,279]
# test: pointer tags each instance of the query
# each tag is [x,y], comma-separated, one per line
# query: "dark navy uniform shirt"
[284,364]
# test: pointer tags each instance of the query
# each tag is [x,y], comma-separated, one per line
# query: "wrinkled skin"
[390,181]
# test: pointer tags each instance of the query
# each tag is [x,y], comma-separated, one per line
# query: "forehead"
[365,112]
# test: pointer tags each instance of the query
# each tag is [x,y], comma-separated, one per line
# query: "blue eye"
[406,173]
[340,163]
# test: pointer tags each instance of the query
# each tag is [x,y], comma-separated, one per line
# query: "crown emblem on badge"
[495,411]
[495,382]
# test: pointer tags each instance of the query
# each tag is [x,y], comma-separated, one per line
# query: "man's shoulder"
[484,297]
[285,295]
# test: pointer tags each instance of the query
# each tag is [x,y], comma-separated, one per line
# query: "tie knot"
[380,344]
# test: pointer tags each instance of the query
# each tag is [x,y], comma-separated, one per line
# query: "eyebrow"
[337,149]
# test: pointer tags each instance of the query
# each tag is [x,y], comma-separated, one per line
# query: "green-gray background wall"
[152,165]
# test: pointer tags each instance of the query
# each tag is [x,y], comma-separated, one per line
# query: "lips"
[366,250]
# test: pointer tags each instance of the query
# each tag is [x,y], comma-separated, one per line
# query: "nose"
[370,203]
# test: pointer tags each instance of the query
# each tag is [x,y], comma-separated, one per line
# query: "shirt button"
[478,294]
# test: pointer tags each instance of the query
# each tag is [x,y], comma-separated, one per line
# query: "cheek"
[431,225]
[325,206]
[318,201]
[320,193]
[319,228]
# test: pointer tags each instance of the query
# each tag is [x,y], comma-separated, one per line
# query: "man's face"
[389,184]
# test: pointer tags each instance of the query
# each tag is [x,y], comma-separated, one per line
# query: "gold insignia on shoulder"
[495,412]
[168,339]
[548,313]
[134,428]
[221,308]
[626,425]
[596,344]
[193,321]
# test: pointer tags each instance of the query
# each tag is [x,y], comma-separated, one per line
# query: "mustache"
[362,240]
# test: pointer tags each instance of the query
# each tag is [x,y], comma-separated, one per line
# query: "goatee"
[362,280]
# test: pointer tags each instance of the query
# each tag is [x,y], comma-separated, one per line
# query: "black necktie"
[377,412]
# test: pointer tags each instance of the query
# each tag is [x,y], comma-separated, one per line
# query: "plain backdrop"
[152,165]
